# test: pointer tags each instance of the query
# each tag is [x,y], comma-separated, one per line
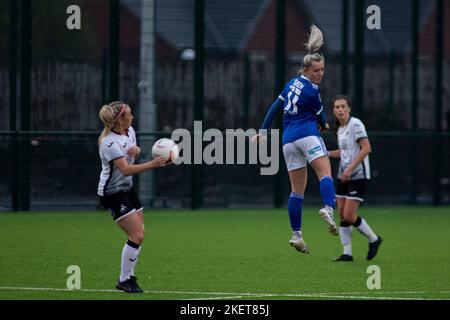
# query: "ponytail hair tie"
[121,111]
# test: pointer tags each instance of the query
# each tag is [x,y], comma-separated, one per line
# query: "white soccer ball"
[165,148]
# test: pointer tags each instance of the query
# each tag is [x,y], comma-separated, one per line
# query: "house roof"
[230,24]
[226,22]
[396,24]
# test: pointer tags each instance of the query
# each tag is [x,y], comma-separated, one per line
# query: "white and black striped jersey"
[115,146]
[348,137]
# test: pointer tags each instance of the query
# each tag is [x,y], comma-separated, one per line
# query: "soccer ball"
[165,148]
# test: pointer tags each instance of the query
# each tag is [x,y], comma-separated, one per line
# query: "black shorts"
[121,204]
[353,190]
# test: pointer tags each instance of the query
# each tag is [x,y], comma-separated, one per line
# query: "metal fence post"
[246,91]
[147,110]
[344,45]
[437,199]
[391,83]
[105,77]
[358,69]
[25,102]
[199,65]
[114,49]
[280,73]
[414,94]
[13,101]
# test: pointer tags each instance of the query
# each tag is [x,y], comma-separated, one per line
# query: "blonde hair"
[313,46]
[109,114]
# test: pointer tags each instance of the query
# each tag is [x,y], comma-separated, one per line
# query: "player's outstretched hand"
[258,138]
[323,129]
[158,162]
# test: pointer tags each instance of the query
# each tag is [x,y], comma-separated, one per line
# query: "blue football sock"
[295,211]
[327,191]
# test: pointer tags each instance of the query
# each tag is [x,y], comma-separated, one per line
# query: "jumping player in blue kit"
[303,120]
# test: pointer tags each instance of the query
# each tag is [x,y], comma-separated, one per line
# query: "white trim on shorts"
[349,198]
[125,215]
[355,198]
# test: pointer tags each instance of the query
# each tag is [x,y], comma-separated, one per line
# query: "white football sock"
[129,259]
[137,258]
[346,239]
[367,231]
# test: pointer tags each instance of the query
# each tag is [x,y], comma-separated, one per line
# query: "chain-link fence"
[54,77]
[62,170]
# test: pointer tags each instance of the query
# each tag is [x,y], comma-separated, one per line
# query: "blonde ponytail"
[313,46]
[315,40]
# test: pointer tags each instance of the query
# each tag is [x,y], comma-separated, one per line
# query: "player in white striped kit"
[353,175]
[118,151]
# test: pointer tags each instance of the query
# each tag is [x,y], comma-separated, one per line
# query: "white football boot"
[326,214]
[298,243]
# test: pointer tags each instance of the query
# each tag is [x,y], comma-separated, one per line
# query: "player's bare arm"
[131,169]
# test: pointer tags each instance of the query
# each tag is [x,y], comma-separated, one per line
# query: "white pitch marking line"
[339,295]
[318,294]
[388,292]
[57,289]
[217,298]
[323,295]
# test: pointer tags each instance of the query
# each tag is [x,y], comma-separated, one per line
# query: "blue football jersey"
[302,108]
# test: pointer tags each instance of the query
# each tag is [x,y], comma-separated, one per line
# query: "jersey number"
[291,106]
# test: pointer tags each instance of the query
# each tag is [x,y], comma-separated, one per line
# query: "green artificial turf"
[224,254]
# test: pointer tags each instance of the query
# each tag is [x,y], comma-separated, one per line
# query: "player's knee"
[141,235]
[325,171]
[349,218]
[138,236]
